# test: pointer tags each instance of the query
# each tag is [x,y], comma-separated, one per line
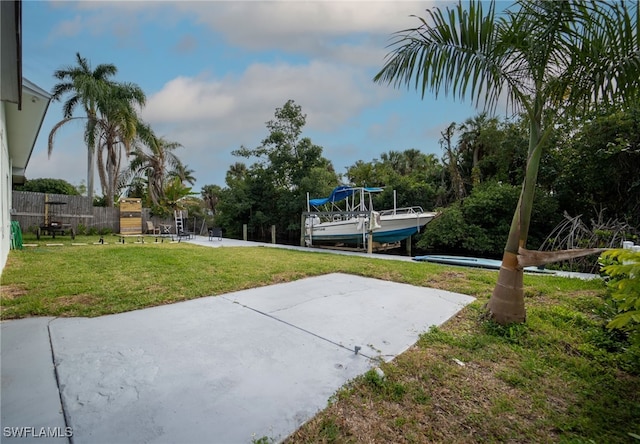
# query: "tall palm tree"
[85,86]
[117,124]
[545,59]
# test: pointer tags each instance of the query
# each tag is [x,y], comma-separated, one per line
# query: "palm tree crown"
[86,88]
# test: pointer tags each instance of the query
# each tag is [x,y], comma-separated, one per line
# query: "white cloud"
[211,117]
[328,94]
[70,28]
[260,24]
[315,28]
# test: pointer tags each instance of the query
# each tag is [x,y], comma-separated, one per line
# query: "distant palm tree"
[238,171]
[153,159]
[546,58]
[184,173]
[85,87]
[211,196]
[471,141]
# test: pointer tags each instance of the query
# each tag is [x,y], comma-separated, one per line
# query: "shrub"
[54,186]
[622,267]
[479,224]
[81,229]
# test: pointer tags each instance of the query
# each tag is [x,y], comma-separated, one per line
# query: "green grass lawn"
[561,377]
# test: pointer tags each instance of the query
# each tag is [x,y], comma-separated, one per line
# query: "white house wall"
[5,191]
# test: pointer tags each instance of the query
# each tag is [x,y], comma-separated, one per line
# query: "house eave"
[23,125]
[11,51]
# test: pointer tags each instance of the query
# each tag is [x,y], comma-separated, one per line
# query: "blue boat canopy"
[341,193]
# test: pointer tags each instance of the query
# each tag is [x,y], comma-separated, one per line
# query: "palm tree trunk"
[102,169]
[506,304]
[110,173]
[90,173]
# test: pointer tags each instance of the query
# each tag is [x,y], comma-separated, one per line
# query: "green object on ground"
[16,235]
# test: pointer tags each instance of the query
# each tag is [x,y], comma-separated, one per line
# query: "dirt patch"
[279,278]
[442,281]
[11,292]
[76,299]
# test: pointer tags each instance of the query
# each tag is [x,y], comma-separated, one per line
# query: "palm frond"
[52,134]
[606,66]
[454,51]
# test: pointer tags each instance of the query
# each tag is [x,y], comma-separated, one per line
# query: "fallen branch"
[529,258]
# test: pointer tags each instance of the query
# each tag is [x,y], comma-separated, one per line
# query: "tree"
[154,161]
[111,116]
[599,167]
[86,87]
[183,172]
[117,125]
[478,225]
[211,196]
[413,175]
[451,161]
[546,59]
[55,186]
[273,190]
[478,136]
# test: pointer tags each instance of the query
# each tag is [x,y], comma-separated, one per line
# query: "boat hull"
[354,231]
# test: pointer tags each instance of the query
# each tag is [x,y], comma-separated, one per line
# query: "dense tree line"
[587,168]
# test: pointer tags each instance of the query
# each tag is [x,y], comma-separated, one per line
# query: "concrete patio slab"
[30,406]
[227,369]
[382,318]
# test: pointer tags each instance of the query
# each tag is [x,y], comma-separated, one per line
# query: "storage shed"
[130,216]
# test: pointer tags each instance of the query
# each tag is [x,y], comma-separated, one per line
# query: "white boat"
[344,218]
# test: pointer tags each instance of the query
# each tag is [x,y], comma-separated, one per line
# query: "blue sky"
[214,73]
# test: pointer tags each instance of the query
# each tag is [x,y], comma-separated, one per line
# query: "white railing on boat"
[406,210]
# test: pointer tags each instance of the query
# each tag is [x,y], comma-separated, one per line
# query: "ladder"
[180,220]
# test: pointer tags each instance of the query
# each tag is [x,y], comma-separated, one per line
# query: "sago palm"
[543,59]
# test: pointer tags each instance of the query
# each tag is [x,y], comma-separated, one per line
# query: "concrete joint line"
[374,359]
[67,420]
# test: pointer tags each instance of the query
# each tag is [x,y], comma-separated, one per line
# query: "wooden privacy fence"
[28,208]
